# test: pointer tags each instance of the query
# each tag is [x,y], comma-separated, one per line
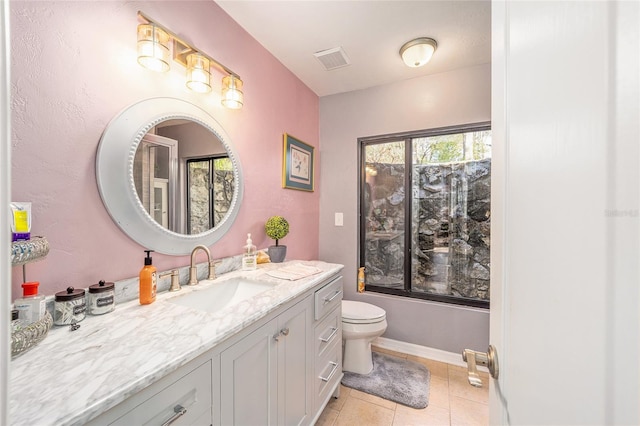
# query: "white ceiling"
[371,33]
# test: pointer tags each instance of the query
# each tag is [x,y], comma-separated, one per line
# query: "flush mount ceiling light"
[154,52]
[418,52]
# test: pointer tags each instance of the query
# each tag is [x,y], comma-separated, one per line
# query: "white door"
[565,234]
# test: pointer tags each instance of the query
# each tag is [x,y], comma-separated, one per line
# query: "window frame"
[407,137]
[211,159]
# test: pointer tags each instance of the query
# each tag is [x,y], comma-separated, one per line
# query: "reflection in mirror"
[183,176]
[209,191]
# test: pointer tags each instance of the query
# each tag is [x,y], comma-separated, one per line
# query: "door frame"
[499,167]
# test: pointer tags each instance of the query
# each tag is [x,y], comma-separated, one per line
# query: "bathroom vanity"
[273,358]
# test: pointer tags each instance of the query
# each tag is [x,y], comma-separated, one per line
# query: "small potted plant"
[277,228]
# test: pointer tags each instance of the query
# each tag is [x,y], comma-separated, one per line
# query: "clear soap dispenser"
[249,255]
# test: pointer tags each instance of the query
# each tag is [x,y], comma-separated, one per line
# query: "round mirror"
[169,175]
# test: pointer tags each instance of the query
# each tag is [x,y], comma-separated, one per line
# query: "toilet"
[361,324]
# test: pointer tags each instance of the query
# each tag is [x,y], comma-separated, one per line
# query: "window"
[210,188]
[425,214]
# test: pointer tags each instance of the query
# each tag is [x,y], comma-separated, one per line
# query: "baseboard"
[423,352]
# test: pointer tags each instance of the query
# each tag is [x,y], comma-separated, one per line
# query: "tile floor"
[452,401]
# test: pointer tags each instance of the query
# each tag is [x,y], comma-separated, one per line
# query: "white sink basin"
[222,294]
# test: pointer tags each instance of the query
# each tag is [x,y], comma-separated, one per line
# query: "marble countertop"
[73,376]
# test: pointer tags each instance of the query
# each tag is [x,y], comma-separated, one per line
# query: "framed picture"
[297,165]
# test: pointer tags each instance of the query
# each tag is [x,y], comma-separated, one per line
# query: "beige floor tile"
[439,369]
[338,403]
[452,401]
[328,417]
[439,392]
[373,399]
[459,386]
[406,416]
[388,352]
[357,412]
[466,412]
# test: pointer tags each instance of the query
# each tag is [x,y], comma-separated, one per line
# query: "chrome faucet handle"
[212,268]
[175,279]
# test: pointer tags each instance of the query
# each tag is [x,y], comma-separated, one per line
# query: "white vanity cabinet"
[280,370]
[327,347]
[181,398]
[265,378]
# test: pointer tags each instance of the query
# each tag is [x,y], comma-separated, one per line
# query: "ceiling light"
[418,52]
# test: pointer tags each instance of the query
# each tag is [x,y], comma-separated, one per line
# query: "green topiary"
[276,228]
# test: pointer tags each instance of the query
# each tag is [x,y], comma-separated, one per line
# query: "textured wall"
[458,97]
[74,68]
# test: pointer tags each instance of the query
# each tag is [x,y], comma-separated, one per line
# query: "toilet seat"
[354,312]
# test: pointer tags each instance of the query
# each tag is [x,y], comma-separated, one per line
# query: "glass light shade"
[198,73]
[418,52]
[153,47]
[232,96]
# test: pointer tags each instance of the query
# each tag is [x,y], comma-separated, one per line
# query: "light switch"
[339,219]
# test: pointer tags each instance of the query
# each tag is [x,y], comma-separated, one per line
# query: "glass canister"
[69,305]
[102,298]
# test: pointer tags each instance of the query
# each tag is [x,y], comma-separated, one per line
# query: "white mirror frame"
[114,174]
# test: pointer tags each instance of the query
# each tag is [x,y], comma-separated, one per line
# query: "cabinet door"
[248,379]
[295,365]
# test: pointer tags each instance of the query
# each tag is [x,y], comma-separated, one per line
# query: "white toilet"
[361,324]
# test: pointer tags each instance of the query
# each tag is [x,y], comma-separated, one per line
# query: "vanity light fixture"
[153,53]
[153,47]
[232,96]
[198,73]
[418,52]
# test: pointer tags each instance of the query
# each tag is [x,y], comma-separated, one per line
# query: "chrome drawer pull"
[179,411]
[333,333]
[283,332]
[330,299]
[333,371]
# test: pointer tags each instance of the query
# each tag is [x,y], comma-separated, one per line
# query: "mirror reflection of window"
[209,188]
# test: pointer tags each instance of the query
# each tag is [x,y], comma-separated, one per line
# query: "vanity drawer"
[327,332]
[328,372]
[193,392]
[328,297]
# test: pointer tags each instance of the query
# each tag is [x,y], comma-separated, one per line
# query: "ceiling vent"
[332,58]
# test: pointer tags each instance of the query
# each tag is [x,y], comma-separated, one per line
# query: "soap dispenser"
[148,281]
[249,255]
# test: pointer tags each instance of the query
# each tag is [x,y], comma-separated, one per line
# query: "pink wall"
[74,68]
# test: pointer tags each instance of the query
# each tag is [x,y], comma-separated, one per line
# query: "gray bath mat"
[396,379]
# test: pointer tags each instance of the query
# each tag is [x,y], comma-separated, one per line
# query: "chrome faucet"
[193,272]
